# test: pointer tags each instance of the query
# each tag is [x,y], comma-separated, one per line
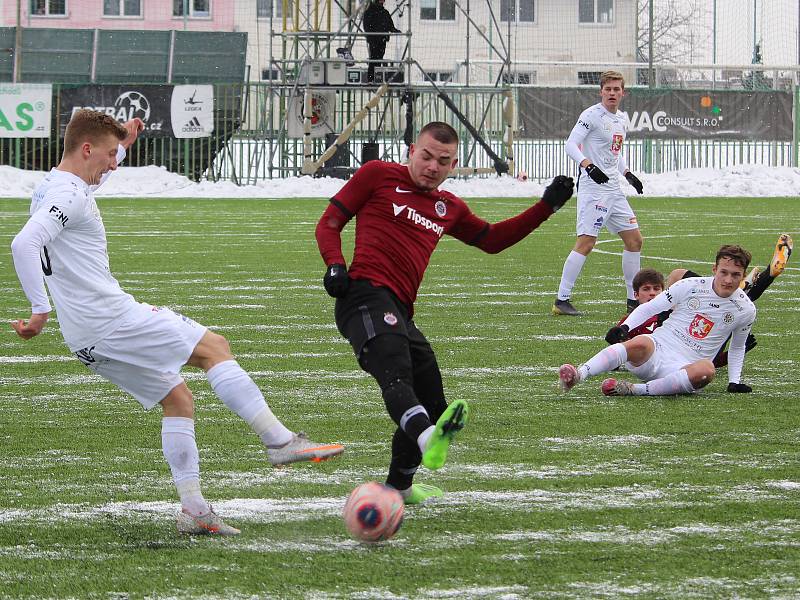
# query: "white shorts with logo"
[664,361]
[598,209]
[145,354]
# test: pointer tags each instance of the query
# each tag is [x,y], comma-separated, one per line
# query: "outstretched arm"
[496,237]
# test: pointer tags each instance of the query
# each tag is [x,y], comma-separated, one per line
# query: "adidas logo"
[193,125]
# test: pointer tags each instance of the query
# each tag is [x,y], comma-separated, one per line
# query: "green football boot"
[420,492]
[451,422]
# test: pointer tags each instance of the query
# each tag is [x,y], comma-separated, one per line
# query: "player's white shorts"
[609,210]
[145,354]
[661,363]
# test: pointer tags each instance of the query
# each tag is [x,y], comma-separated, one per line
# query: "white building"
[457,40]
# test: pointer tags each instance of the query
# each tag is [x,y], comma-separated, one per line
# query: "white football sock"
[607,359]
[674,383]
[422,440]
[570,273]
[180,451]
[240,393]
[631,263]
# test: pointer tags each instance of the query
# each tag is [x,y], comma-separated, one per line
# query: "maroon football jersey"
[648,326]
[397,227]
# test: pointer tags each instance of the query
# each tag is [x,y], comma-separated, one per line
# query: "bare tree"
[681,31]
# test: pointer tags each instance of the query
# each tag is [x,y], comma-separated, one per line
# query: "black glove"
[750,342]
[635,182]
[739,388]
[336,280]
[596,173]
[558,192]
[617,334]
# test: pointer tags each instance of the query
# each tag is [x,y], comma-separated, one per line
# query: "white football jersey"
[701,321]
[89,301]
[602,136]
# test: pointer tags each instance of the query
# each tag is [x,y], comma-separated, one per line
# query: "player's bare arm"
[134,127]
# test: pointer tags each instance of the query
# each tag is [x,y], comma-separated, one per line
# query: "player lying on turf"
[136,346]
[648,283]
[676,358]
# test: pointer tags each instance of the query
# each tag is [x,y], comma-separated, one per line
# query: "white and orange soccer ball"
[373,512]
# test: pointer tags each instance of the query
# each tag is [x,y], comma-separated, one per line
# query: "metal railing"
[251,144]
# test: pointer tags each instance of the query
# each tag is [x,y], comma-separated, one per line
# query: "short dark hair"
[736,253]
[90,125]
[647,275]
[441,132]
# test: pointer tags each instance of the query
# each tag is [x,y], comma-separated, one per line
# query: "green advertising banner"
[25,110]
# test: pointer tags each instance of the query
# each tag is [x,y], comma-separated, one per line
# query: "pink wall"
[88,14]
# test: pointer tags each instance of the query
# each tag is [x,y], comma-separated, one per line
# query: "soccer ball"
[373,512]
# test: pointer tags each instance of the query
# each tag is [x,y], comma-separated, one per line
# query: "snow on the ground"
[157,182]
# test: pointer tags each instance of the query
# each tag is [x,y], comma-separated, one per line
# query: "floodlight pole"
[651,76]
[754,35]
[18,45]
[714,46]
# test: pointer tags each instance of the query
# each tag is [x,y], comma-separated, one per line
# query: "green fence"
[122,56]
[251,143]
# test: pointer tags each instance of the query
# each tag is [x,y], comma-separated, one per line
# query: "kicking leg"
[783,250]
[239,393]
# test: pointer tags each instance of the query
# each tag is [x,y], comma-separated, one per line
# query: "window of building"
[439,76]
[518,10]
[270,74]
[520,78]
[193,8]
[595,11]
[266,9]
[48,8]
[122,8]
[588,77]
[441,10]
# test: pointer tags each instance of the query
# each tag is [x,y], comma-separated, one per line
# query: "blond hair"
[606,76]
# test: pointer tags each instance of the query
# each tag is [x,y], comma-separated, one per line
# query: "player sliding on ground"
[648,283]
[677,357]
[136,346]
[400,217]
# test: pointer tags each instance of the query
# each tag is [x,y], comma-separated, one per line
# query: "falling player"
[677,357]
[138,347]
[596,145]
[400,217]
[648,283]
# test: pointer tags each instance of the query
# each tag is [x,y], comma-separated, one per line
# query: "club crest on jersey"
[700,326]
[693,303]
[616,143]
[728,318]
[390,319]
[441,208]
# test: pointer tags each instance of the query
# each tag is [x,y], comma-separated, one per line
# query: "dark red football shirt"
[648,326]
[399,226]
